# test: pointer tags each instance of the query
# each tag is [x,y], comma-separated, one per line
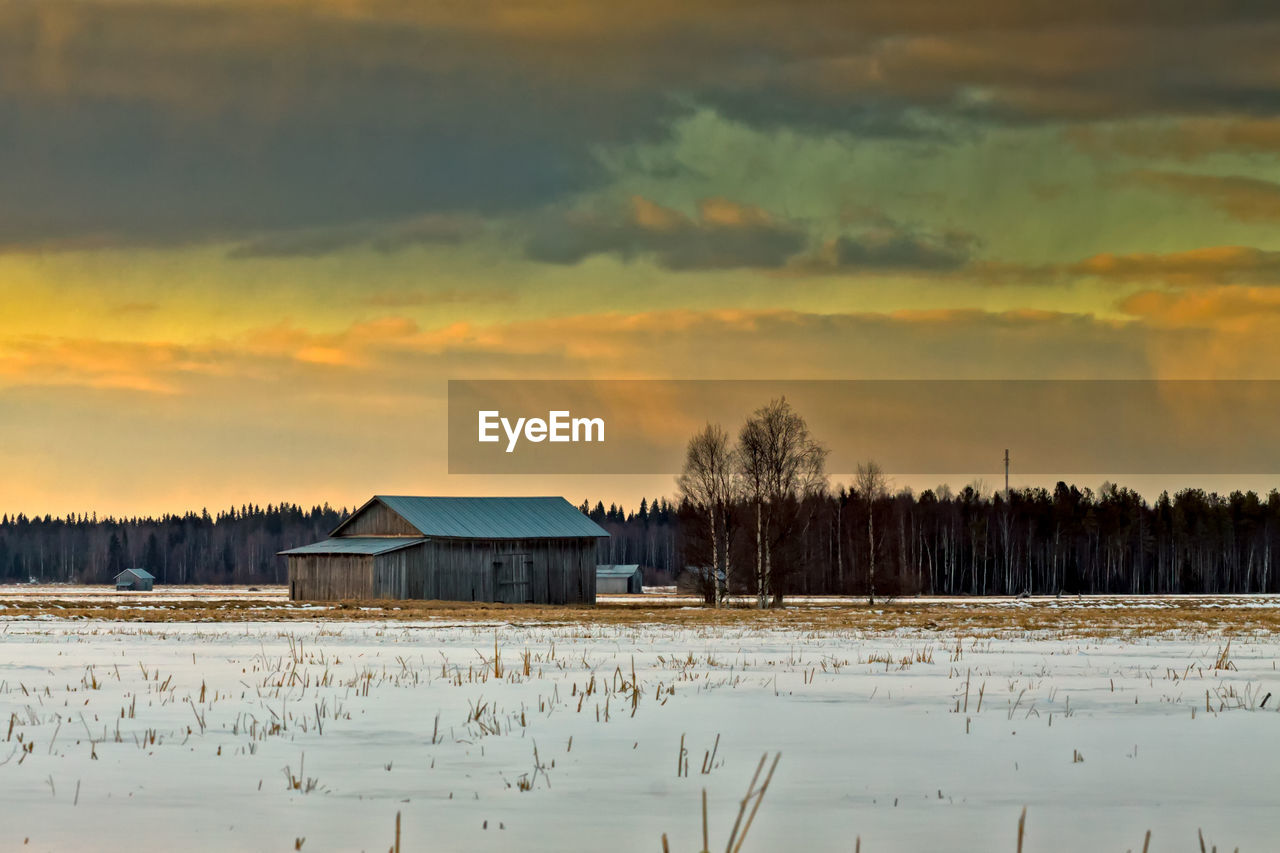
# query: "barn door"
[511,582]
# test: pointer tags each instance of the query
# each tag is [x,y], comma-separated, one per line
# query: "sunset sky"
[245,243]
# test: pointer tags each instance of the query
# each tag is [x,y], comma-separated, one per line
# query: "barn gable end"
[375,518]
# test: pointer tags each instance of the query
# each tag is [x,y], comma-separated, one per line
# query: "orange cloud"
[351,347]
[394,356]
[719,211]
[1208,265]
[1184,139]
[1223,307]
[655,217]
[114,365]
[243,415]
[450,296]
[1243,198]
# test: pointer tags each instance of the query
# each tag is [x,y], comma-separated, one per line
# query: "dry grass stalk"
[709,758]
[706,845]
[1224,659]
[754,797]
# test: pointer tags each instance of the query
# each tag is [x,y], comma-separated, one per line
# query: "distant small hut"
[699,580]
[514,550]
[614,578]
[135,580]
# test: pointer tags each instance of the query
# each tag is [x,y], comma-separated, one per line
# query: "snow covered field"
[267,736]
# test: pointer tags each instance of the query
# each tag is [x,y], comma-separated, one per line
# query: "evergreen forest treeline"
[969,542]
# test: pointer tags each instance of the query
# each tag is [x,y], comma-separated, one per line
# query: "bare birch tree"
[872,485]
[708,481]
[778,461]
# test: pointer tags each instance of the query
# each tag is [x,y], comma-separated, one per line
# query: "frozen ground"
[180,592]
[175,592]
[253,735]
[277,596]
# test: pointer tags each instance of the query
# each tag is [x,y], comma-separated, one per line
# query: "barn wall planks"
[560,571]
[330,577]
[377,520]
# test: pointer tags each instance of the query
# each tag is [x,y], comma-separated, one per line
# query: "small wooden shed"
[516,550]
[700,580]
[135,580]
[617,578]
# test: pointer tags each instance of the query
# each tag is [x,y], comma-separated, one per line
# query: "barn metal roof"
[493,518]
[356,545]
[140,574]
[616,570]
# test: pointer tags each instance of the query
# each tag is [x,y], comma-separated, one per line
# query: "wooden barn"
[135,580]
[514,550]
[616,578]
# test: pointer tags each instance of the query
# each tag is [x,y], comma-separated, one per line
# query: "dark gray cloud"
[724,235]
[897,248]
[160,125]
[155,123]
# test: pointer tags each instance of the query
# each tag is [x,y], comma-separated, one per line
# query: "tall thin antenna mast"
[1006,475]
